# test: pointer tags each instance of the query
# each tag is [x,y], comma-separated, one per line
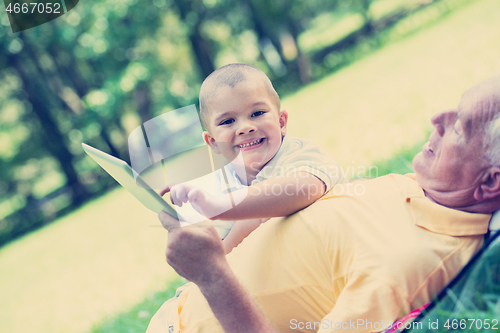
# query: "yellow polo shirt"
[362,256]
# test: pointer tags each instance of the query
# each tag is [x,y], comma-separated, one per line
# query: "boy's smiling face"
[244,118]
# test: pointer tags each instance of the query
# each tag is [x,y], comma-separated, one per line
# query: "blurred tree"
[278,26]
[80,79]
[193,13]
[33,79]
[363,8]
[104,68]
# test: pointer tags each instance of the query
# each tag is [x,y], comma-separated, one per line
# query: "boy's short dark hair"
[230,75]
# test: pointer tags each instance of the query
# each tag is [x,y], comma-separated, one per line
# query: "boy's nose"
[246,128]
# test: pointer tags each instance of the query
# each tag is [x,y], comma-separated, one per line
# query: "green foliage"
[99,71]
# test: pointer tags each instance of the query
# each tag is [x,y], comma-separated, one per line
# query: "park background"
[361,78]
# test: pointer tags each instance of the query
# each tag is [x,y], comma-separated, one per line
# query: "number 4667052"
[34,7]
[472,323]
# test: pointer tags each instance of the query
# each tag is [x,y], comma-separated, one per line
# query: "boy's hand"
[166,190]
[204,203]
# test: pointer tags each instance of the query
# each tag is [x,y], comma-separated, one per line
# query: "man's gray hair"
[492,140]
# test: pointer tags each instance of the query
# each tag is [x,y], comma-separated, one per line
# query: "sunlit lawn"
[100,260]
[107,257]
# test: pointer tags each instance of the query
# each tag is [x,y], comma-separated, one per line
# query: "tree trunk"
[262,32]
[82,88]
[200,45]
[303,63]
[53,138]
[143,101]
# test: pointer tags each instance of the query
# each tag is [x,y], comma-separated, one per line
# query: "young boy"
[278,176]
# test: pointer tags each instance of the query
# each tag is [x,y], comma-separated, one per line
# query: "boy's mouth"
[249,144]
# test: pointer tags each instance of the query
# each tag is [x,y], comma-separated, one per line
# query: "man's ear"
[283,121]
[210,140]
[490,185]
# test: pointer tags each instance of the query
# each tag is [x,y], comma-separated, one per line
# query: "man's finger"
[168,221]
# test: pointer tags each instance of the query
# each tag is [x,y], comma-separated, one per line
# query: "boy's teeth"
[250,144]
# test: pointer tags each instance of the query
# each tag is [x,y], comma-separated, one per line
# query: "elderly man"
[354,261]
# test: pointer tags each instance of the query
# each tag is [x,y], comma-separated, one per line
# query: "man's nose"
[442,120]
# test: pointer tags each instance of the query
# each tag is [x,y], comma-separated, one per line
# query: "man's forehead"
[466,121]
[483,100]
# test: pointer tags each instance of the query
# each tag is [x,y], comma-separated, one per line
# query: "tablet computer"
[124,174]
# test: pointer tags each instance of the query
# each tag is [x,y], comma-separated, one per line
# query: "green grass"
[102,265]
[92,264]
[382,104]
[329,32]
[400,163]
[328,28]
[137,318]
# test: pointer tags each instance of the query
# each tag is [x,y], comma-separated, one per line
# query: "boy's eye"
[258,113]
[226,122]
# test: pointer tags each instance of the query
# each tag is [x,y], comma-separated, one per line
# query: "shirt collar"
[440,219]
[495,221]
[233,180]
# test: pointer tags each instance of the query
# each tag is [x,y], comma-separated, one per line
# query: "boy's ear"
[210,140]
[283,121]
[490,185]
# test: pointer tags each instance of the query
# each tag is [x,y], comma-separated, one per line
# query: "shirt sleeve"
[309,158]
[364,305]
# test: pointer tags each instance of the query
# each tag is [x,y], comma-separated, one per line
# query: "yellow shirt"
[354,261]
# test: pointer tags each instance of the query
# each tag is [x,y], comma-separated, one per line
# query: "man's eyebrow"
[466,125]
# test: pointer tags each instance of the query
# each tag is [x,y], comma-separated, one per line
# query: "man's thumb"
[167,221]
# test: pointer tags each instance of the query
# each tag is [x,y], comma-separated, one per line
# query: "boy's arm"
[240,231]
[275,197]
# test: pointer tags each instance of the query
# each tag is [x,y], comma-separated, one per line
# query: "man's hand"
[204,203]
[195,252]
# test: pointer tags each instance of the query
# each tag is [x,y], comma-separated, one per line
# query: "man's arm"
[197,253]
[274,197]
